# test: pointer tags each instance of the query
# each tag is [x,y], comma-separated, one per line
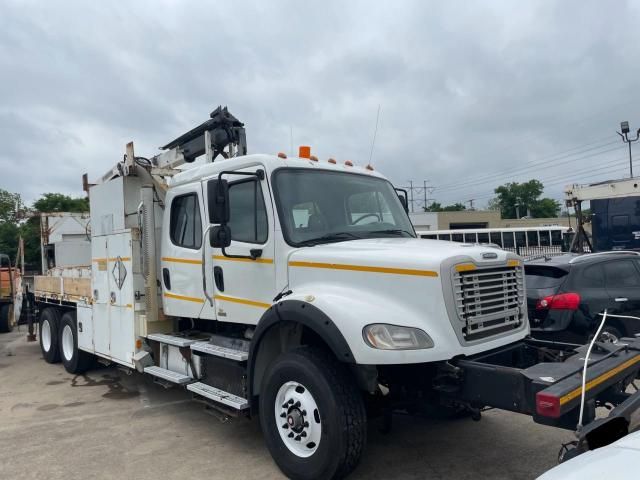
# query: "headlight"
[393,337]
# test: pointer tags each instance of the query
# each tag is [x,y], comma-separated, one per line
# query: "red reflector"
[563,301]
[547,405]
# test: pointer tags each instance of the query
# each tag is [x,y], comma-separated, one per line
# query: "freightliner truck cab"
[296,290]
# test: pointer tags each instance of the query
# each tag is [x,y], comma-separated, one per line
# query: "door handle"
[621,299]
[166,277]
[218,277]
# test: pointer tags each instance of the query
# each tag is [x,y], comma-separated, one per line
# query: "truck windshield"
[320,206]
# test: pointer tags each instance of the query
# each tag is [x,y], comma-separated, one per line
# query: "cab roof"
[270,162]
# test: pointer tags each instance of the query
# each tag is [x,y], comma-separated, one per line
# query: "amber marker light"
[304,151]
[332,160]
[349,163]
[282,155]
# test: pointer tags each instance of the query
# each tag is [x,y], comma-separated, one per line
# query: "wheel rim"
[298,419]
[67,342]
[46,335]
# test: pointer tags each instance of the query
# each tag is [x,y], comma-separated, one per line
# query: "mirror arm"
[255,254]
[204,265]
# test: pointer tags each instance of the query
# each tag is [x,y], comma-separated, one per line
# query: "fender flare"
[303,313]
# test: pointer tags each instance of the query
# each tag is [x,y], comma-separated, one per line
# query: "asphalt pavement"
[111,425]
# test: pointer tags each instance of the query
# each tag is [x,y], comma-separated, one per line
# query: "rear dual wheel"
[49,324]
[6,318]
[74,360]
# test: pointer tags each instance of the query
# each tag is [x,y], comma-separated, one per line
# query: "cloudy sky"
[472,95]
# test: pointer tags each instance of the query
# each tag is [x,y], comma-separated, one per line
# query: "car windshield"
[320,206]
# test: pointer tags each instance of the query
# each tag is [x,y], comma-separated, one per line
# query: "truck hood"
[404,253]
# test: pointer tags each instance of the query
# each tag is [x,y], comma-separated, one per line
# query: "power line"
[561,180]
[520,171]
[551,181]
[559,154]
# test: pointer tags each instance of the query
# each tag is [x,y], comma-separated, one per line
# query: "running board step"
[168,375]
[171,339]
[219,351]
[217,395]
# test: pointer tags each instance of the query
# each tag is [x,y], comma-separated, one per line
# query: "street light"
[624,126]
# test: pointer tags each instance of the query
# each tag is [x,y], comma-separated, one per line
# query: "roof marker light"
[349,163]
[313,158]
[332,160]
[369,167]
[304,151]
[282,155]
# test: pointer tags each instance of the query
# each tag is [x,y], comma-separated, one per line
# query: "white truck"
[296,290]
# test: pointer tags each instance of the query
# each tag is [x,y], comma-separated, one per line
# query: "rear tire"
[613,334]
[6,320]
[49,324]
[74,360]
[321,404]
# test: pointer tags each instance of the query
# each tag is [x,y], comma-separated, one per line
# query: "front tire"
[312,415]
[49,323]
[74,360]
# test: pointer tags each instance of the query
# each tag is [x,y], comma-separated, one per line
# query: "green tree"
[523,198]
[57,202]
[10,206]
[437,207]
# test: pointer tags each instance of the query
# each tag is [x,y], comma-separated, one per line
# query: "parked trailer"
[297,291]
[9,291]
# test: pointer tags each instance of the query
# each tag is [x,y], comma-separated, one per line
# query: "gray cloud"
[466,90]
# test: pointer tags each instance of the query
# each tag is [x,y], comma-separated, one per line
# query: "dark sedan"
[566,294]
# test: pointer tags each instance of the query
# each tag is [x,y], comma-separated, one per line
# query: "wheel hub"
[298,419]
[295,420]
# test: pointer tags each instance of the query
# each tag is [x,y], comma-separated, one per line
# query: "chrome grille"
[489,300]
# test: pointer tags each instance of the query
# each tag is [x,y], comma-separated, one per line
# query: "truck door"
[101,296]
[244,288]
[181,259]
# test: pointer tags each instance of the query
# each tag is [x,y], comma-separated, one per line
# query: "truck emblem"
[489,255]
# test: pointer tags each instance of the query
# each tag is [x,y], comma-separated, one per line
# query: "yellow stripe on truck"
[183,297]
[242,301]
[364,268]
[182,260]
[598,380]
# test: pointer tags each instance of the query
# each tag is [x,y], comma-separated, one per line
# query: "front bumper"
[517,378]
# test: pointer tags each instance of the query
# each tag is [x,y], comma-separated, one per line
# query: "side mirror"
[220,236]
[402,195]
[218,197]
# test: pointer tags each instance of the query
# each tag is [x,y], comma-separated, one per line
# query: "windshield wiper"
[330,237]
[394,231]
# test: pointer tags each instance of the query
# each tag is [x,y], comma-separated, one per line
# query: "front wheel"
[312,415]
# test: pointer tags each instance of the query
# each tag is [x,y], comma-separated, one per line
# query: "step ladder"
[168,375]
[220,351]
[217,395]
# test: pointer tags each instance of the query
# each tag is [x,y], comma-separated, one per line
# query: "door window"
[186,225]
[248,214]
[621,273]
[592,277]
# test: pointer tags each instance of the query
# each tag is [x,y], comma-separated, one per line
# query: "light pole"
[624,126]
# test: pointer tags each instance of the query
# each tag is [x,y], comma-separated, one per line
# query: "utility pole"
[470,202]
[411,194]
[419,196]
[624,127]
